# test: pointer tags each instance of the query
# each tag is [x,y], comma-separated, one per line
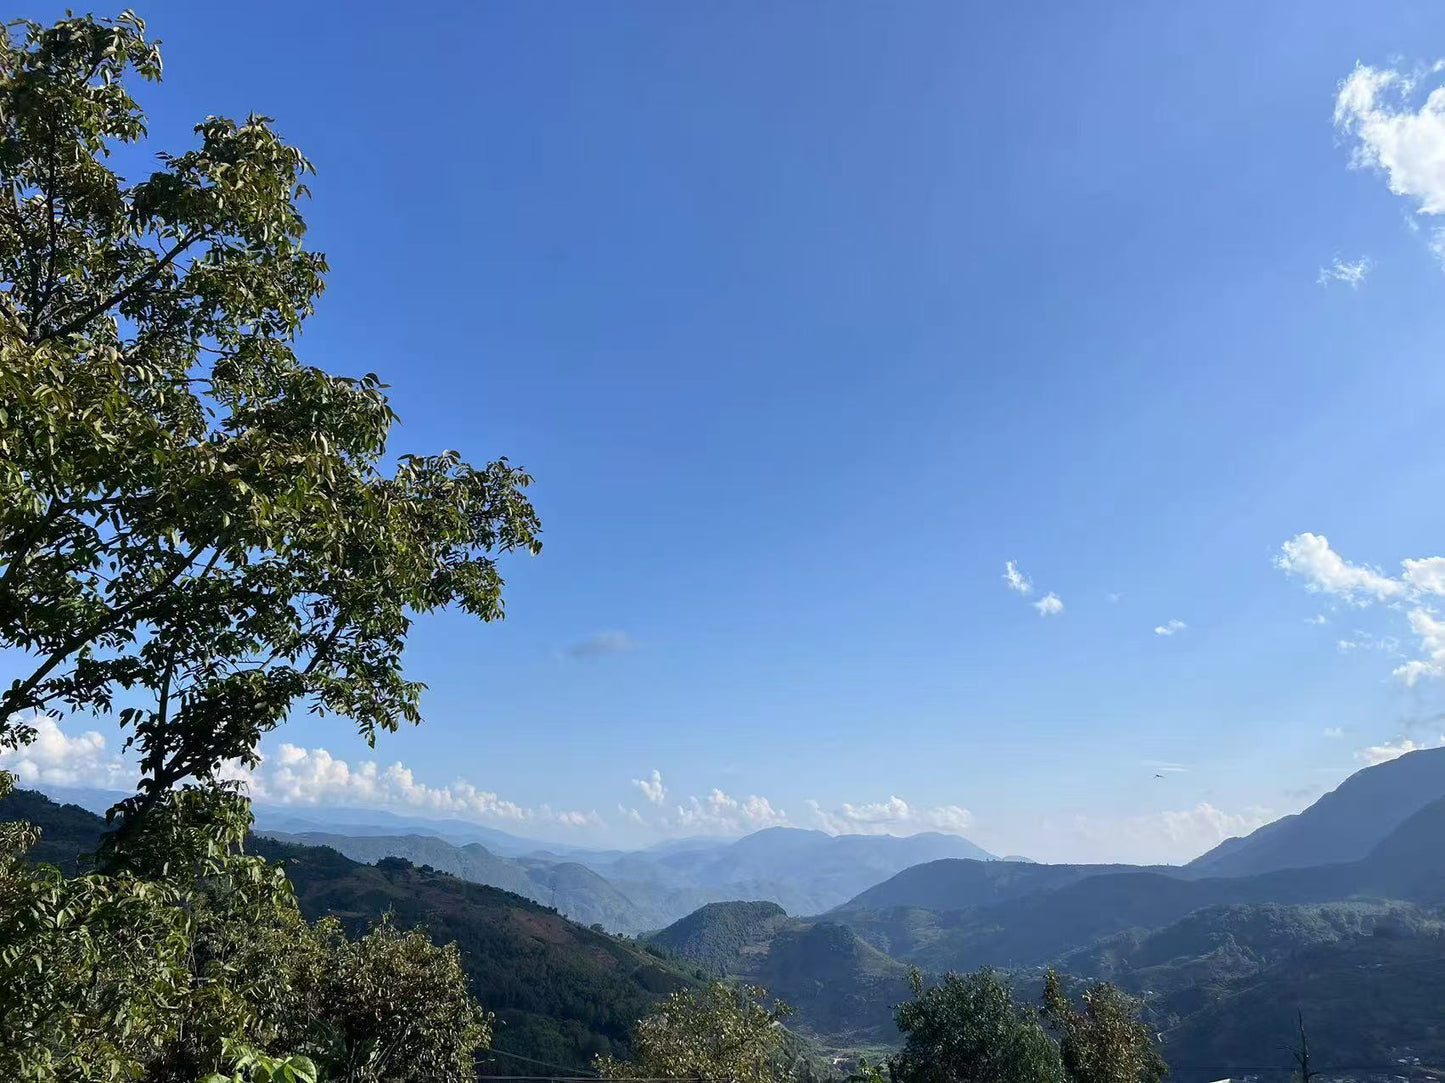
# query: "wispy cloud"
[1170,628]
[602,643]
[1349,272]
[1334,731]
[1016,579]
[1166,767]
[1048,606]
[1368,641]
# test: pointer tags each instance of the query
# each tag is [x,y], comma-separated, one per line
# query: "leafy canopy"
[969,1029]
[191,519]
[719,1033]
[1104,1041]
[188,958]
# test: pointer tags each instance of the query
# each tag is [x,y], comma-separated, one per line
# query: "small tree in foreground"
[722,1034]
[1104,1041]
[189,957]
[969,1029]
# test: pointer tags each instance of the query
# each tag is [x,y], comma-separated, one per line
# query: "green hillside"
[561,991]
[569,887]
[716,936]
[842,988]
[1371,1001]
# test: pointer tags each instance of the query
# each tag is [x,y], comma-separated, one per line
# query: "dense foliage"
[1103,1040]
[969,1029]
[187,952]
[190,515]
[722,1032]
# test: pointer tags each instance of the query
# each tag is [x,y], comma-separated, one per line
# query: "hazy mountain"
[1031,928]
[805,872]
[955,884]
[1343,825]
[572,889]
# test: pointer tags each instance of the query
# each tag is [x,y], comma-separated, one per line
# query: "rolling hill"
[842,989]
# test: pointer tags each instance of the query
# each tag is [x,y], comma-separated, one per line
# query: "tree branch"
[125,294]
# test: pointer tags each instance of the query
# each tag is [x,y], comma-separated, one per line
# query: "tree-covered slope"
[561,992]
[842,988]
[573,889]
[716,936]
[1370,1003]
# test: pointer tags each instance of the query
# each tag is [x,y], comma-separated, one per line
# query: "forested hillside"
[561,992]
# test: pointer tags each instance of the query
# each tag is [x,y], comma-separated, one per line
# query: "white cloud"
[1115,596]
[1318,618]
[602,643]
[1427,576]
[1334,731]
[1390,750]
[313,776]
[1350,272]
[720,813]
[1407,144]
[60,760]
[1016,579]
[1310,557]
[1431,633]
[652,788]
[1173,627]
[630,814]
[894,816]
[1049,605]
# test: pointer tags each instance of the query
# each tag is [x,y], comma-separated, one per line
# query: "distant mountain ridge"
[1029,928]
[1343,825]
[570,888]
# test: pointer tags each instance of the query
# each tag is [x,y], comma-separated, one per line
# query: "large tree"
[197,530]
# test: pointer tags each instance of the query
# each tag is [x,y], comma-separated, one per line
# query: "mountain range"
[1340,905]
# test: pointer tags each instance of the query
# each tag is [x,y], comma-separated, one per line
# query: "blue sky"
[807,318]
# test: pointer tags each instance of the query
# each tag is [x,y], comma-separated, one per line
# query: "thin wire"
[542,1063]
